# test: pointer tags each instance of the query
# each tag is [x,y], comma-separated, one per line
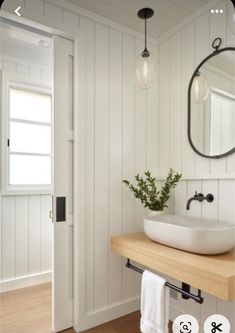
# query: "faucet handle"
[209,197]
[199,196]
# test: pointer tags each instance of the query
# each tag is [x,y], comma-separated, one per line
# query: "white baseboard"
[25,281]
[99,317]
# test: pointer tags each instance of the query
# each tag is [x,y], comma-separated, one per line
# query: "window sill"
[24,190]
[16,193]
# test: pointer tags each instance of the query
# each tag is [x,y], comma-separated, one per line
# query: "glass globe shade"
[231,16]
[146,67]
[200,89]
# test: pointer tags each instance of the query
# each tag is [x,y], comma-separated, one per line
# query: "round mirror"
[211,104]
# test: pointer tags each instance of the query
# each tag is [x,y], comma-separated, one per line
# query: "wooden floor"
[127,324]
[28,310]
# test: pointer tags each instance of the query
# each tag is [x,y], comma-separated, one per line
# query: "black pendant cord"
[185,290]
[145,20]
[145,13]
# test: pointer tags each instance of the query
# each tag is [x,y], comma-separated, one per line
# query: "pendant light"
[231,15]
[145,63]
[200,88]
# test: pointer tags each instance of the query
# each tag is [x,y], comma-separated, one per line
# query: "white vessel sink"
[191,234]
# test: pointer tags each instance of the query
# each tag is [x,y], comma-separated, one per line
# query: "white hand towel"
[154,304]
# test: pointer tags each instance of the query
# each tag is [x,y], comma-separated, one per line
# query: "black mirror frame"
[216,52]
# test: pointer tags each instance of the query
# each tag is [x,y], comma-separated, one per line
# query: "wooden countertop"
[212,274]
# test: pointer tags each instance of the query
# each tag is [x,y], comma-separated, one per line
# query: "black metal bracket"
[216,43]
[184,291]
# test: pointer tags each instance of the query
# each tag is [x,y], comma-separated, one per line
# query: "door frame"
[77,36]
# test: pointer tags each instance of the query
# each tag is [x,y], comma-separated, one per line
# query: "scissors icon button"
[217,323]
[216,327]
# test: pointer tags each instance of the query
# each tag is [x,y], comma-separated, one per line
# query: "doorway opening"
[27,165]
[36,78]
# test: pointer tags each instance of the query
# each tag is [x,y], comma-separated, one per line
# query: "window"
[28,162]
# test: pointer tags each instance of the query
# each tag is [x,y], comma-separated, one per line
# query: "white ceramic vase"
[151,213]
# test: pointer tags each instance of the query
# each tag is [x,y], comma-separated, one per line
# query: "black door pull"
[60,209]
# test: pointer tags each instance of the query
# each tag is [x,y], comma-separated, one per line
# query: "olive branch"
[147,192]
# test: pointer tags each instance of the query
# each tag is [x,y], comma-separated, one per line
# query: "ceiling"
[168,13]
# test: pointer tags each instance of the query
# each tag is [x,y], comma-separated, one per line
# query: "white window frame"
[36,86]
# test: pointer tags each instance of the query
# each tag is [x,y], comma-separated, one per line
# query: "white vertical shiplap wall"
[120,128]
[133,138]
[222,208]
[179,55]
[26,229]
[127,131]
[119,120]
[26,239]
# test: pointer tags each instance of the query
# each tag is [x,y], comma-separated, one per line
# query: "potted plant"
[147,192]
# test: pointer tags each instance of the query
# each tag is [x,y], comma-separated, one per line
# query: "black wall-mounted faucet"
[199,197]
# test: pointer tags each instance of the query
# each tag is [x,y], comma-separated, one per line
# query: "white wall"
[222,208]
[179,55]
[128,130]
[26,240]
[26,229]
[118,119]
[120,129]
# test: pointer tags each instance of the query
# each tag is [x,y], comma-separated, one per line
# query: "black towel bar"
[184,290]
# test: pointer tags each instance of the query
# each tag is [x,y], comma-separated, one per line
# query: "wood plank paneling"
[128,152]
[89,28]
[140,137]
[164,96]
[188,157]
[196,44]
[46,233]
[228,310]
[202,49]
[21,235]
[207,308]
[210,211]
[226,207]
[175,117]
[230,42]
[26,236]
[221,208]
[8,259]
[196,41]
[34,234]
[180,195]
[218,28]
[101,165]
[115,159]
[152,121]
[154,136]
